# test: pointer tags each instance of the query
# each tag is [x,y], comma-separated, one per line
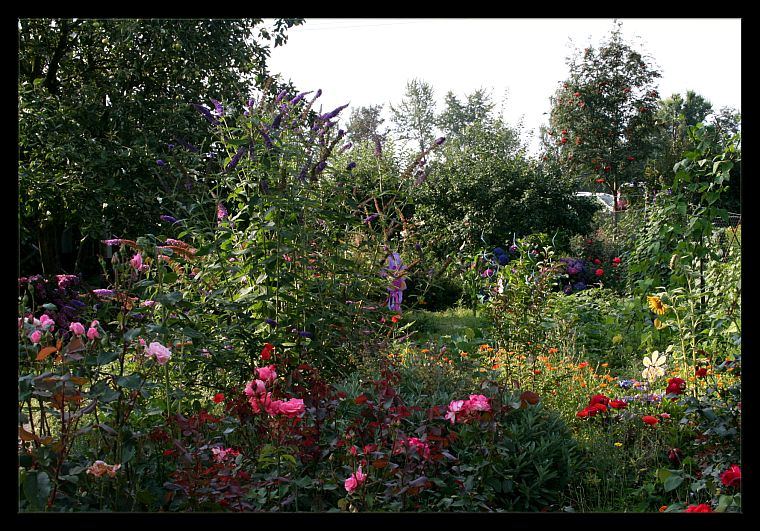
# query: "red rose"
[218,397]
[564,131]
[676,386]
[701,372]
[266,352]
[616,260]
[701,508]
[675,455]
[599,272]
[599,399]
[631,158]
[607,168]
[732,477]
[577,94]
[648,419]
[597,261]
[564,140]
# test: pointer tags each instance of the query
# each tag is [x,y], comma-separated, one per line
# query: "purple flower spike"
[333,113]
[270,322]
[168,219]
[160,162]
[112,242]
[370,218]
[299,97]
[236,158]
[267,140]
[276,121]
[281,95]
[440,140]
[345,147]
[206,113]
[304,333]
[351,166]
[218,109]
[321,165]
[221,211]
[378,148]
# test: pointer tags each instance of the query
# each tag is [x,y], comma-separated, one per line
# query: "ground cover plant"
[308,326]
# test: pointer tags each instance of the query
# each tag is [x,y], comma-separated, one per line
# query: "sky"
[520,61]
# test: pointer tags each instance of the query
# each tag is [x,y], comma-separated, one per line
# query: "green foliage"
[602,121]
[99,100]
[414,116]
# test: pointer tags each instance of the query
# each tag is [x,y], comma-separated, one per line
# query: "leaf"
[45,352]
[26,436]
[75,345]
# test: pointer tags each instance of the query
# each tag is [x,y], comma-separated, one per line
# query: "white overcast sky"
[368,61]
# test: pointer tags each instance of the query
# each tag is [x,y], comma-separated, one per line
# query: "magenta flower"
[46,322]
[77,328]
[35,336]
[268,374]
[137,262]
[479,403]
[92,334]
[255,387]
[221,212]
[290,408]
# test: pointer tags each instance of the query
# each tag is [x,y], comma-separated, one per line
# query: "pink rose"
[137,262]
[255,387]
[456,406]
[92,334]
[77,328]
[267,374]
[354,480]
[36,336]
[291,408]
[160,352]
[479,403]
[46,322]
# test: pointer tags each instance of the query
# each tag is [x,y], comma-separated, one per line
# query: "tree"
[484,189]
[365,124]
[602,123]
[414,117]
[457,116]
[100,101]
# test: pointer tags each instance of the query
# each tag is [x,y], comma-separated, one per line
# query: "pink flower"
[46,322]
[423,450]
[148,304]
[263,401]
[267,374]
[77,328]
[255,387]
[101,468]
[160,352]
[354,480]
[479,403]
[137,262]
[291,408]
[36,336]
[456,406]
[94,323]
[92,334]
[220,454]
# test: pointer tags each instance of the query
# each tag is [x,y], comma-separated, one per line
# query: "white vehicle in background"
[607,200]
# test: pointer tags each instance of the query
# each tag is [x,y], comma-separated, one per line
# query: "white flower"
[655,366]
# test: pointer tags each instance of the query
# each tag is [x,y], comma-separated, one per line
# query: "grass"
[451,322]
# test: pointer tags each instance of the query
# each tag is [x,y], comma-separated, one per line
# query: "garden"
[229,300]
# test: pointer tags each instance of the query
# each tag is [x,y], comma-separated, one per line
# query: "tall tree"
[457,116]
[602,122]
[99,102]
[414,116]
[365,124]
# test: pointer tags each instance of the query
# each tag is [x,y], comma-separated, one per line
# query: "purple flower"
[221,212]
[218,109]
[236,158]
[333,113]
[160,162]
[321,165]
[206,113]
[187,145]
[276,121]
[103,293]
[267,140]
[487,273]
[513,248]
[112,242]
[304,333]
[440,140]
[345,147]
[299,97]
[370,218]
[351,165]
[168,219]
[378,147]
[170,146]
[270,322]
[281,95]
[64,281]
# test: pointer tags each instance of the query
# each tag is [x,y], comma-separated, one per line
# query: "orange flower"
[662,509]
[537,371]
[553,350]
[583,365]
[605,364]
[496,366]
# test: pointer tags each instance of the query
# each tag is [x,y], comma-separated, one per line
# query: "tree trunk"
[47,238]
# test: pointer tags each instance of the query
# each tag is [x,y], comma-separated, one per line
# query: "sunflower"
[656,304]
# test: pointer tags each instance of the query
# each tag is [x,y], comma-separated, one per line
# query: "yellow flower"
[618,444]
[656,304]
[617,339]
[657,324]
